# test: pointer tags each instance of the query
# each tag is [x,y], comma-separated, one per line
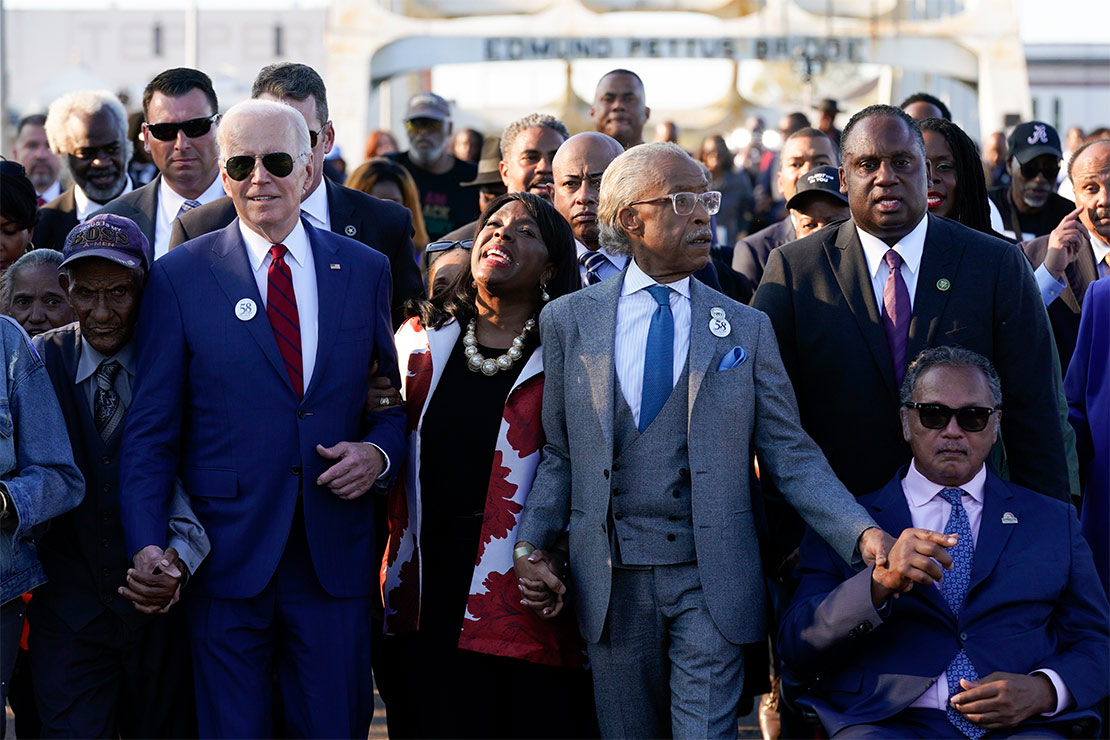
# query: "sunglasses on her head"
[278,164]
[444,246]
[937,415]
[193,128]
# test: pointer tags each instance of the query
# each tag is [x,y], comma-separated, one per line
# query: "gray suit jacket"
[730,411]
[141,206]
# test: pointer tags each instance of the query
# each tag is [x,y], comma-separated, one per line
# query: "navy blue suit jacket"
[1034,602]
[213,403]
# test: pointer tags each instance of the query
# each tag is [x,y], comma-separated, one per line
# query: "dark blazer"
[213,404]
[749,258]
[141,206]
[56,219]
[379,224]
[1064,311]
[973,290]
[1034,601]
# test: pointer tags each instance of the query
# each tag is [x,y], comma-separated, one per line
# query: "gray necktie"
[107,407]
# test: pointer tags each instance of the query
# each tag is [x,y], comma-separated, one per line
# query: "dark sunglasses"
[444,246]
[193,128]
[278,164]
[1031,169]
[424,124]
[937,415]
[314,136]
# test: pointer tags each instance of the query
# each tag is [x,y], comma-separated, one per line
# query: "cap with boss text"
[1032,139]
[109,237]
[428,105]
[823,181]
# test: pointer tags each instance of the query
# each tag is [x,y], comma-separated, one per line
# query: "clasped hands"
[541,588]
[154,581]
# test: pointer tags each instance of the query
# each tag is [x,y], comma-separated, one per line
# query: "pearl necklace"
[476,363]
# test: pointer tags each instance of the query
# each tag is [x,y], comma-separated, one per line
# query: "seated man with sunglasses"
[256,344]
[180,114]
[998,625]
[1029,204]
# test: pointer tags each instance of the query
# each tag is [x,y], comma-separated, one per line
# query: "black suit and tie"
[141,206]
[973,290]
[379,224]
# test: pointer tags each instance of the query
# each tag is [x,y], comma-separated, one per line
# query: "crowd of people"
[551,433]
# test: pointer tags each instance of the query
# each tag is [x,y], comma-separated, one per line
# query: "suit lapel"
[845,255]
[597,321]
[993,533]
[331,292]
[1079,274]
[232,271]
[939,262]
[343,218]
[702,343]
[70,359]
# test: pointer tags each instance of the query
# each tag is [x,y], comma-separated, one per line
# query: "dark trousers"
[109,679]
[933,723]
[319,644]
[11,626]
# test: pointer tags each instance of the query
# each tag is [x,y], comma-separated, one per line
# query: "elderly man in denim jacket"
[38,480]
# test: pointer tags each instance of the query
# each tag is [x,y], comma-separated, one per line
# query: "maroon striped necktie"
[281,309]
[896,314]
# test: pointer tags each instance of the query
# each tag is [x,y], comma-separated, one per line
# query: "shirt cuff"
[1050,287]
[1063,696]
[385,471]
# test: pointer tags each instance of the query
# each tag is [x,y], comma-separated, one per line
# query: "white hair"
[87,103]
[625,181]
[253,110]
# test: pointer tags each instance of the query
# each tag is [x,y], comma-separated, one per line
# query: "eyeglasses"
[684,203]
[423,124]
[1031,169]
[89,153]
[937,415]
[446,246]
[193,128]
[278,164]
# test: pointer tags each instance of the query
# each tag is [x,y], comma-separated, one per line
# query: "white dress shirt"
[1101,249]
[634,310]
[611,267]
[51,192]
[928,510]
[169,203]
[315,206]
[910,248]
[303,271]
[86,207]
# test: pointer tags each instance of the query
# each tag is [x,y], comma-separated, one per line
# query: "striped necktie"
[593,262]
[281,309]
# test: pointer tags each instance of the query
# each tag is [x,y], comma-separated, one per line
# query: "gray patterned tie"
[107,408]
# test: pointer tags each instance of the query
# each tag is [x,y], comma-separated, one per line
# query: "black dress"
[452,692]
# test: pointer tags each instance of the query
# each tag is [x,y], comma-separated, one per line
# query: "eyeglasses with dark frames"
[278,164]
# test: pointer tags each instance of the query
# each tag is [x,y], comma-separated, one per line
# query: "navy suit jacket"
[1034,601]
[379,224]
[213,403]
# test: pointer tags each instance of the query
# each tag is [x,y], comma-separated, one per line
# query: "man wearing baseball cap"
[100,632]
[1029,204]
[445,203]
[817,202]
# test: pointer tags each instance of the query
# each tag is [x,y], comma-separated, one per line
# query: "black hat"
[1032,139]
[828,105]
[820,181]
[489,170]
[110,237]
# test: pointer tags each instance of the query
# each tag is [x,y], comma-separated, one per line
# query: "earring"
[473,283]
[543,294]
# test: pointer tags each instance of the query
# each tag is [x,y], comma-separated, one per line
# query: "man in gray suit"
[179,132]
[653,486]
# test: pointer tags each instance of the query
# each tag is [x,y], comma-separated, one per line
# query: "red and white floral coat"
[495,622]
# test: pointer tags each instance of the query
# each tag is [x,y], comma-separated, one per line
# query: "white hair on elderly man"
[253,110]
[625,181]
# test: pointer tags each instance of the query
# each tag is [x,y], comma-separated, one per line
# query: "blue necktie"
[187,206]
[593,262]
[658,359]
[954,589]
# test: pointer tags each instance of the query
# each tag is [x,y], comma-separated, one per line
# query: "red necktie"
[41,201]
[281,309]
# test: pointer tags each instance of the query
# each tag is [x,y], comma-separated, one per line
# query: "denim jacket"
[36,462]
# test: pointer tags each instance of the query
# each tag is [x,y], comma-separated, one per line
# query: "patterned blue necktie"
[954,589]
[593,262]
[658,359]
[187,206]
[107,409]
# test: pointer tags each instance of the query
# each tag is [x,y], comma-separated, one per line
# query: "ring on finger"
[384,401]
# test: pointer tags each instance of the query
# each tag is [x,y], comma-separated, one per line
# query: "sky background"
[1044,21]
